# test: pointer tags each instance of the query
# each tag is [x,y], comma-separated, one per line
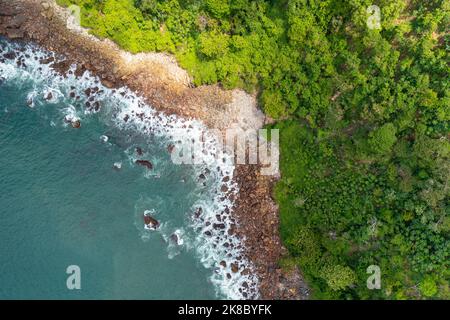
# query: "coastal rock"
[198,212]
[96,106]
[219,226]
[61,66]
[108,84]
[76,124]
[47,60]
[48,96]
[245,272]
[145,163]
[150,222]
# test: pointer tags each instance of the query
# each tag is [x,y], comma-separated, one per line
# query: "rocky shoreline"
[168,88]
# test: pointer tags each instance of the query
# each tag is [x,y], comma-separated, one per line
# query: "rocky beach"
[168,88]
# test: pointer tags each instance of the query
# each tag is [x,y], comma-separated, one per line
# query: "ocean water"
[75,196]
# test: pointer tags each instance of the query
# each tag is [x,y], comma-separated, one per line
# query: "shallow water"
[65,201]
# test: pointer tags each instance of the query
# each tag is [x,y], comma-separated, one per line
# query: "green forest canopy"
[364,117]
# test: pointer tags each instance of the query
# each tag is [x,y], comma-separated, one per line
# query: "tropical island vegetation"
[363,115]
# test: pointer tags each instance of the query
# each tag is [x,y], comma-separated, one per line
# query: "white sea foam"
[150,212]
[179,234]
[30,98]
[211,216]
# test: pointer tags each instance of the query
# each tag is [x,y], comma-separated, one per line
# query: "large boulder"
[150,222]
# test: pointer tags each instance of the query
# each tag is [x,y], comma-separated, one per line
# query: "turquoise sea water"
[76,196]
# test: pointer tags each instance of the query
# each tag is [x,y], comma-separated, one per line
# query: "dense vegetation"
[364,117]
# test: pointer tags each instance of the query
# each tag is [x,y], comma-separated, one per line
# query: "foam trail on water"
[210,218]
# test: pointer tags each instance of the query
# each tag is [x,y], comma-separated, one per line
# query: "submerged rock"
[139,151]
[15,33]
[30,102]
[176,238]
[97,106]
